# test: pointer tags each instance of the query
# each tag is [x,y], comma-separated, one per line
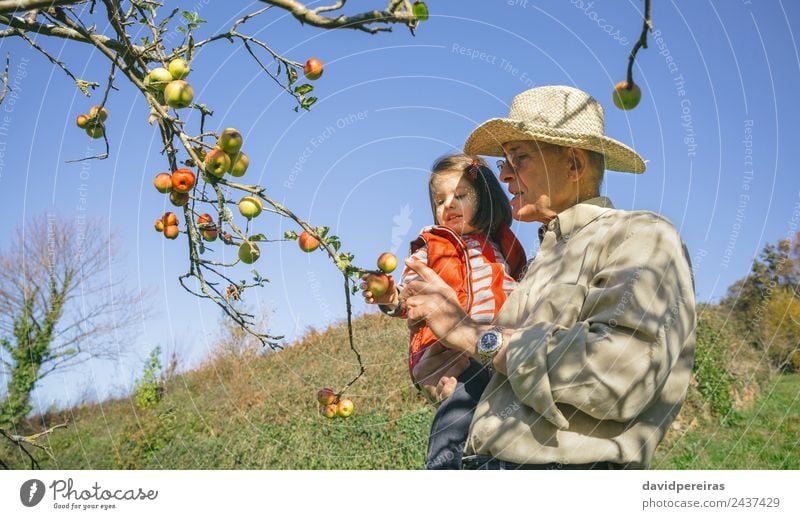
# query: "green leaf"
[304,89]
[420,11]
[291,73]
[257,237]
[290,235]
[308,102]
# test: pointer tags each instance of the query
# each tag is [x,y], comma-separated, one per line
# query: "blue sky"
[716,120]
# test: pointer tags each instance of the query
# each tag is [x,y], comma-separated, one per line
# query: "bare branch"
[5,80]
[362,21]
[14,6]
[647,25]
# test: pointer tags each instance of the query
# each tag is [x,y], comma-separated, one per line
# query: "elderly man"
[592,353]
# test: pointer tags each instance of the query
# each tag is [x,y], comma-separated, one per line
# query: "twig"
[647,25]
[5,79]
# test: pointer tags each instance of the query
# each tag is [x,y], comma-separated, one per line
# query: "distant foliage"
[711,364]
[148,389]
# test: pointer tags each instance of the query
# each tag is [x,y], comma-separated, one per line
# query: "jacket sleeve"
[636,315]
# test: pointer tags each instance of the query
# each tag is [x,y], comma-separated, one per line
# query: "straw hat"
[559,115]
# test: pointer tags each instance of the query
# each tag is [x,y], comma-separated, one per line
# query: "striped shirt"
[484,307]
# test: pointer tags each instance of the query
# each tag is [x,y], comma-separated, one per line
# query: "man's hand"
[437,370]
[432,300]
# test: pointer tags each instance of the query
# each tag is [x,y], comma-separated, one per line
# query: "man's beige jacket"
[602,352]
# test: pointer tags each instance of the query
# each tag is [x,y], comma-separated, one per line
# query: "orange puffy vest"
[448,256]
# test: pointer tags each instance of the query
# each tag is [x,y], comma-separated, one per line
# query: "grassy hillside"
[260,412]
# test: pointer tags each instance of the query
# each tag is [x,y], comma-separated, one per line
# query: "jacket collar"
[573,219]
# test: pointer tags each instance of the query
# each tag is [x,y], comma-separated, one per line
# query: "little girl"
[474,251]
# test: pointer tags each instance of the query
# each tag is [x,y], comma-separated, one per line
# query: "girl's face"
[455,201]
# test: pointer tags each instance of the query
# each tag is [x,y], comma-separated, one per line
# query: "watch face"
[488,341]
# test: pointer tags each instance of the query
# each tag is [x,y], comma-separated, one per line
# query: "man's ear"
[577,163]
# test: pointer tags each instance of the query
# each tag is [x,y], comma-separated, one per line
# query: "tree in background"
[61,303]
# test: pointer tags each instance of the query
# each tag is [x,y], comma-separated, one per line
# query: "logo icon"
[31,492]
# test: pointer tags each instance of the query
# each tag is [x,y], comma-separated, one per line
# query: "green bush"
[711,365]
[148,389]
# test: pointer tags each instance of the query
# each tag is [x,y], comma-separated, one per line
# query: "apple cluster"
[331,406]
[170,81]
[92,122]
[378,282]
[168,224]
[178,184]
[226,156]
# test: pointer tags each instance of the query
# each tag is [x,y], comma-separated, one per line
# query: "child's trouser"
[452,420]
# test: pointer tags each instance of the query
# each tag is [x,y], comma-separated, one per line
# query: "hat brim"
[487,139]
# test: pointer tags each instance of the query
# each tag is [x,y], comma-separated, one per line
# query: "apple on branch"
[249,252]
[163,182]
[178,199]
[239,164]
[344,408]
[217,162]
[307,242]
[178,94]
[179,68]
[182,180]
[626,97]
[230,141]
[387,262]
[326,396]
[158,79]
[313,69]
[250,207]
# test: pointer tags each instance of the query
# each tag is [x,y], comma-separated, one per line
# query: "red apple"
[626,98]
[97,112]
[230,141]
[239,164]
[159,225]
[182,180]
[207,228]
[307,242]
[248,252]
[378,284]
[313,69]
[82,121]
[171,232]
[178,199]
[217,162]
[387,262]
[326,396]
[170,218]
[209,233]
[178,93]
[204,218]
[250,207]
[344,408]
[328,411]
[158,78]
[179,68]
[163,182]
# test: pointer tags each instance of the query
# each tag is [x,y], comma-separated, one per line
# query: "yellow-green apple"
[82,121]
[178,94]
[163,182]
[313,69]
[387,262]
[626,98]
[307,242]
[344,408]
[178,199]
[98,112]
[250,207]
[179,68]
[159,225]
[159,78]
[326,396]
[239,164]
[248,252]
[230,141]
[209,233]
[170,218]
[171,232]
[95,131]
[182,180]
[378,284]
[217,162]
[328,411]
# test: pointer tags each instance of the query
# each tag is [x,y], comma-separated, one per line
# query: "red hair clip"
[472,170]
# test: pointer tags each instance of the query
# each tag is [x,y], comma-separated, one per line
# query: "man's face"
[538,180]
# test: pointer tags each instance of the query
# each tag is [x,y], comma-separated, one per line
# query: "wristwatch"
[489,344]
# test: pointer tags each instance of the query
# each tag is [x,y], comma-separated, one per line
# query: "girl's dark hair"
[493,208]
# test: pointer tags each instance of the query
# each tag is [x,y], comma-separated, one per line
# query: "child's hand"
[390,298]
